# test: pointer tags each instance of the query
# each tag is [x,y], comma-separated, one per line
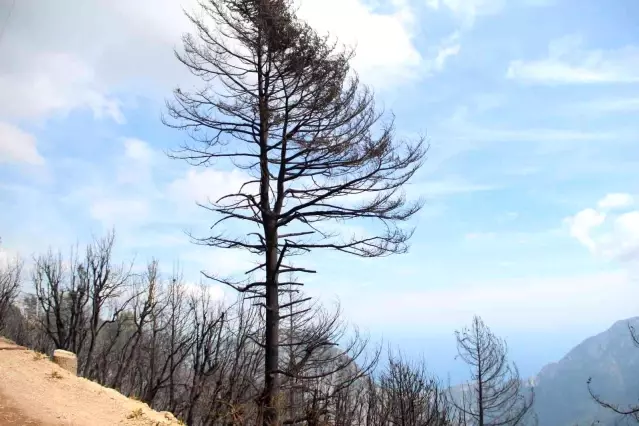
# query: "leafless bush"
[161,341]
[411,396]
[10,282]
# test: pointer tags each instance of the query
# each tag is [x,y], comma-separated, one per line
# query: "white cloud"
[148,211]
[222,262]
[136,193]
[52,70]
[583,223]
[111,210]
[447,187]
[138,150]
[629,222]
[41,83]
[134,169]
[205,185]
[18,146]
[613,235]
[480,236]
[569,63]
[450,47]
[626,237]
[123,192]
[615,200]
[467,11]
[216,291]
[66,55]
[384,41]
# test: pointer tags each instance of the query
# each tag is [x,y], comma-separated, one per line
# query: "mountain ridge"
[610,358]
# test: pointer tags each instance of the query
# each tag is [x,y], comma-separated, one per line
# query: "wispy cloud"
[447,187]
[18,146]
[616,200]
[604,106]
[568,62]
[462,126]
[509,303]
[448,48]
[466,12]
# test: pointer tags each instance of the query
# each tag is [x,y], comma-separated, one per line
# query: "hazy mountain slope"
[610,358]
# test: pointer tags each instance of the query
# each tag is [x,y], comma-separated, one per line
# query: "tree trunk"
[271,359]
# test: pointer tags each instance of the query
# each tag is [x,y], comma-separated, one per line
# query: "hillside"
[35,391]
[561,393]
[610,358]
[562,398]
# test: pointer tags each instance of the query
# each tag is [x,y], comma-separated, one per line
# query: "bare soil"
[10,415]
[36,392]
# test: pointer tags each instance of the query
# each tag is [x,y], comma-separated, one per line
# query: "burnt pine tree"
[494,396]
[281,104]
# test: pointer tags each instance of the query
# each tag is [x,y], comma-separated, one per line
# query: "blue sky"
[531,217]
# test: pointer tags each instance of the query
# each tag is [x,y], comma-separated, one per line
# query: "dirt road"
[10,414]
[36,392]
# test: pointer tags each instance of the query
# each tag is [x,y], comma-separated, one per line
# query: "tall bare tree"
[281,103]
[79,296]
[106,283]
[131,327]
[494,396]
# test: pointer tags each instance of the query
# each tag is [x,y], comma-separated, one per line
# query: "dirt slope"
[35,391]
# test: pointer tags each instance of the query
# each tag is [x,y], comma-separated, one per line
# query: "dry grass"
[55,375]
[135,414]
[37,356]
